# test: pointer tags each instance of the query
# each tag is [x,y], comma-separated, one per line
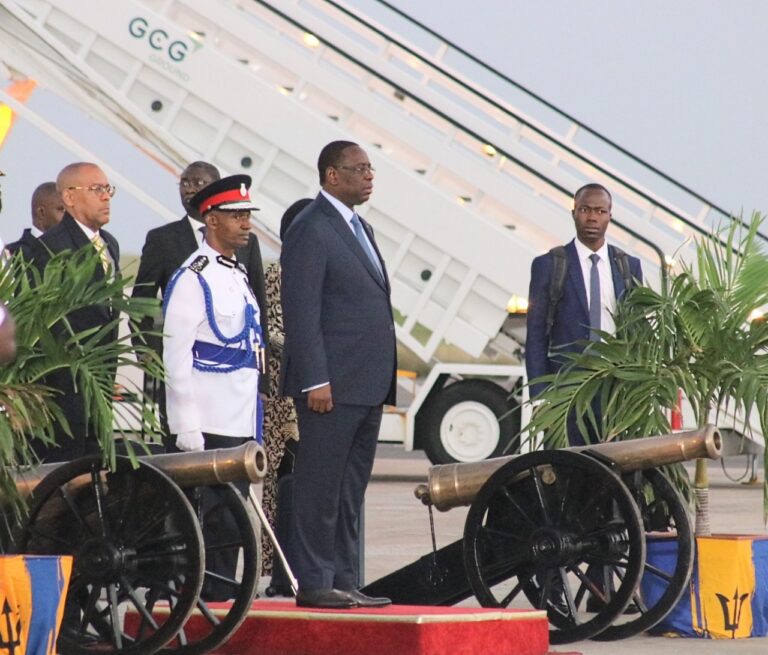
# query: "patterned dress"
[280,422]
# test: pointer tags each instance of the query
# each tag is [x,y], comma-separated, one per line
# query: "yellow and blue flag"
[32,595]
[728,593]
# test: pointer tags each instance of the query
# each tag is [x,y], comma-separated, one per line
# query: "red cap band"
[231,195]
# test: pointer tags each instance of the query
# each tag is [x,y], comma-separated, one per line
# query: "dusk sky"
[680,84]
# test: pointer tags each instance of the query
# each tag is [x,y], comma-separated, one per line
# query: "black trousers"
[218,527]
[331,473]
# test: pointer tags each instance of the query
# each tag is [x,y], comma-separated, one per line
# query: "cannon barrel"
[453,485]
[191,469]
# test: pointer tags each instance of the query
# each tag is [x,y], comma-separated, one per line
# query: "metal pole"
[268,529]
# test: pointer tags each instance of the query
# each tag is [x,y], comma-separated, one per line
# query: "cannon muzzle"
[453,485]
[203,468]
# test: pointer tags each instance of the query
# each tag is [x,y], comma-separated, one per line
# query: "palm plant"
[695,335]
[46,342]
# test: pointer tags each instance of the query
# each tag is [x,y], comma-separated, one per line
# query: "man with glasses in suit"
[339,365]
[86,194]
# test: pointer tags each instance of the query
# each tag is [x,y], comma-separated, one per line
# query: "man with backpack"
[573,292]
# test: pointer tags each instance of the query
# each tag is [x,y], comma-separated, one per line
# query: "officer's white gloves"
[190,441]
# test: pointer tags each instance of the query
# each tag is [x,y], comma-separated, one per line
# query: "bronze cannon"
[140,563]
[566,531]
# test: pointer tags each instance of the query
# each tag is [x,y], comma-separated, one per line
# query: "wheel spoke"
[568,596]
[534,471]
[507,495]
[146,614]
[90,611]
[97,483]
[115,616]
[588,584]
[659,573]
[70,503]
[60,543]
[220,578]
[206,612]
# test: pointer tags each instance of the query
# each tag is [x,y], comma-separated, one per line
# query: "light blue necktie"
[594,298]
[360,234]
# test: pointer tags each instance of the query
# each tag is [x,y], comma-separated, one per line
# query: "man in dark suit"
[167,247]
[86,193]
[47,211]
[594,281]
[339,364]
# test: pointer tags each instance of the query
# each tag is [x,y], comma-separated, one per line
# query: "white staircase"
[469,188]
[474,175]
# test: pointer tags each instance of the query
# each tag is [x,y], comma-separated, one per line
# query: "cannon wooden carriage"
[140,563]
[565,531]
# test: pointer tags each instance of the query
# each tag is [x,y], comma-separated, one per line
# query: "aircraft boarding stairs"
[469,187]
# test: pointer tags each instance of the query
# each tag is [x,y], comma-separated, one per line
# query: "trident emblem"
[12,641]
[732,622]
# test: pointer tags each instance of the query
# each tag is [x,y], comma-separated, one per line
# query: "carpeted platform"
[280,628]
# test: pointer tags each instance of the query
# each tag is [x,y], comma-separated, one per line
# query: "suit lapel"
[112,249]
[187,239]
[75,232]
[369,231]
[346,234]
[618,281]
[576,276]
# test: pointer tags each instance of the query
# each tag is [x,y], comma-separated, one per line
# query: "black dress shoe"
[368,601]
[325,599]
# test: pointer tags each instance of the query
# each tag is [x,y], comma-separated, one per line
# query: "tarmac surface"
[397,533]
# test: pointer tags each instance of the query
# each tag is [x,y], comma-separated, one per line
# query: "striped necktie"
[101,249]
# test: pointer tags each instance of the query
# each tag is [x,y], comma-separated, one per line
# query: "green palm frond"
[695,335]
[42,304]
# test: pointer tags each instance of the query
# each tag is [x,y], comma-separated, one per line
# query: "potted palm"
[694,334]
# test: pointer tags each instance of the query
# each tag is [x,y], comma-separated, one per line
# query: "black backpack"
[560,268]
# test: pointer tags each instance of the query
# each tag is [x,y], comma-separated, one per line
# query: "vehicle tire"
[461,423]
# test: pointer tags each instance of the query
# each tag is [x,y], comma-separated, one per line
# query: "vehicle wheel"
[136,544]
[560,530]
[462,423]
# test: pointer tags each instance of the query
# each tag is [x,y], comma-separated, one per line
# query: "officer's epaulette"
[199,264]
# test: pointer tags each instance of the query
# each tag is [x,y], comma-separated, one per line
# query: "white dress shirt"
[196,225]
[607,292]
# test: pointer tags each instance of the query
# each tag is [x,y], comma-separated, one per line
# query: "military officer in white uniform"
[212,344]
[212,350]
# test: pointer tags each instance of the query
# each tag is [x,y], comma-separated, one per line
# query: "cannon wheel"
[664,515]
[552,527]
[134,538]
[222,621]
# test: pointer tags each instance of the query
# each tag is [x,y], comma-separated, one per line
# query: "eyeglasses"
[586,211]
[194,183]
[361,169]
[97,189]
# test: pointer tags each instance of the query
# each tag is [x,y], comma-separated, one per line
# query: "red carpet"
[280,628]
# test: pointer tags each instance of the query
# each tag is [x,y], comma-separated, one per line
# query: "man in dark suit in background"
[167,247]
[339,364]
[86,193]
[47,211]
[595,278]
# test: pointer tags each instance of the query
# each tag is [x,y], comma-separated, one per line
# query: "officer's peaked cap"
[227,194]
